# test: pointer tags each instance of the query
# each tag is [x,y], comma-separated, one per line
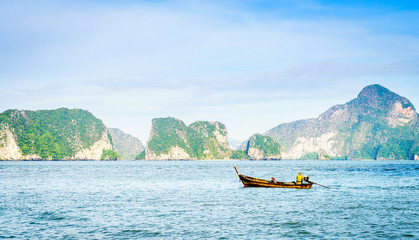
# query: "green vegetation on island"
[109,155]
[378,124]
[53,134]
[203,142]
[239,155]
[170,138]
[140,156]
[167,132]
[263,147]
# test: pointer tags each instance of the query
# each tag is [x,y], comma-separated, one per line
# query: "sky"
[251,65]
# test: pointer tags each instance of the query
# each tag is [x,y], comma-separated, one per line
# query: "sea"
[205,200]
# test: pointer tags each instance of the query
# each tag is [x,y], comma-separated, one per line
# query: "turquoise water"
[205,200]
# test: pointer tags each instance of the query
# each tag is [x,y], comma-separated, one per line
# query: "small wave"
[396,208]
[4,237]
[293,224]
[138,233]
[51,216]
[408,187]
[304,232]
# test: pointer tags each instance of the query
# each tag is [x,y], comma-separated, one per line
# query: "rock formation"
[61,134]
[95,151]
[378,124]
[260,147]
[171,139]
[9,150]
[127,146]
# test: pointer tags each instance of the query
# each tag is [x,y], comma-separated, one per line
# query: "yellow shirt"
[299,178]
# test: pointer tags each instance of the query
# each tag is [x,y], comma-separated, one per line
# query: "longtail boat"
[257,182]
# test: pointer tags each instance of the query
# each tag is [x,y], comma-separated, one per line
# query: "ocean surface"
[205,200]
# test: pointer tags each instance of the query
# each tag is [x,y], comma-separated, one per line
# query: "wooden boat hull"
[257,182]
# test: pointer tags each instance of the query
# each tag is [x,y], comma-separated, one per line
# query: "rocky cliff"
[9,150]
[127,146]
[62,134]
[260,147]
[378,124]
[171,139]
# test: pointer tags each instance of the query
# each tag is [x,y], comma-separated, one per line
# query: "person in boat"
[299,178]
[273,180]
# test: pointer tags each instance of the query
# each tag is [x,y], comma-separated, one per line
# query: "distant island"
[378,124]
[127,146]
[171,139]
[61,134]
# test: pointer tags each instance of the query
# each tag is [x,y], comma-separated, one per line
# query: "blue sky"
[248,64]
